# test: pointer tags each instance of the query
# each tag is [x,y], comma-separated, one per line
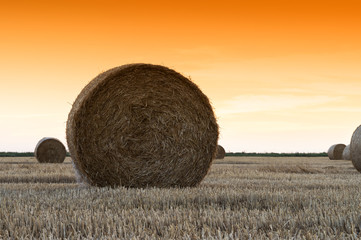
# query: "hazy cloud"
[260,103]
[24,116]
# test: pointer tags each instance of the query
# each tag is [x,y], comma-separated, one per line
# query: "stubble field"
[240,198]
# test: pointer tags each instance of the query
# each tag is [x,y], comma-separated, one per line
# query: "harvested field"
[240,198]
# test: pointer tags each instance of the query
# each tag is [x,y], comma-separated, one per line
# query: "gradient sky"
[283,76]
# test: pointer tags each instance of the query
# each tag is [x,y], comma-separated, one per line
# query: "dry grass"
[241,198]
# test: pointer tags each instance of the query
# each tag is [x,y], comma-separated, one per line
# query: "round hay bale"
[142,125]
[335,151]
[355,149]
[221,153]
[50,150]
[346,153]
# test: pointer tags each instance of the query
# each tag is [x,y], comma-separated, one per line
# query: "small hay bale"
[50,150]
[355,149]
[142,125]
[221,153]
[346,155]
[335,151]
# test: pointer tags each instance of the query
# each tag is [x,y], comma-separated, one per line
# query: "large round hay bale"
[142,125]
[355,149]
[221,153]
[50,150]
[335,151]
[346,155]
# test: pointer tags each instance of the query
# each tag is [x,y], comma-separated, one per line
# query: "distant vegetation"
[16,154]
[272,154]
[229,154]
[20,154]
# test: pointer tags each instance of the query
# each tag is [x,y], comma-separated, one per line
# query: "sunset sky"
[282,76]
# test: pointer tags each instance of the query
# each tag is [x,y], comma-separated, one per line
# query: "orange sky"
[282,75]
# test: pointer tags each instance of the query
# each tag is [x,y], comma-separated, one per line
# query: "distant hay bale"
[50,150]
[142,125]
[355,149]
[221,153]
[346,153]
[335,151]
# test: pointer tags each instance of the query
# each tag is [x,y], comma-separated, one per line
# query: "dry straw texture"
[346,155]
[221,153]
[335,151]
[251,198]
[50,150]
[79,177]
[355,149]
[142,125]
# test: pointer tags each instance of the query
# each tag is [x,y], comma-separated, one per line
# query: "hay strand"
[142,125]
[221,153]
[335,151]
[355,149]
[50,150]
[79,177]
